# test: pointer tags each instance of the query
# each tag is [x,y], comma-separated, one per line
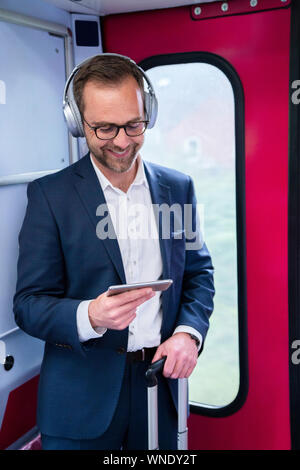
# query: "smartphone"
[155,285]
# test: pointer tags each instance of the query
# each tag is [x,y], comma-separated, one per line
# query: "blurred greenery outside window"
[195,134]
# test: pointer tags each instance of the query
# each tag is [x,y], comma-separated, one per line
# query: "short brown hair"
[106,70]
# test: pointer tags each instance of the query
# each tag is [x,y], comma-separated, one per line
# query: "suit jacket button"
[121,350]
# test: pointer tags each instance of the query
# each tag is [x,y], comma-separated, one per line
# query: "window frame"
[239,107]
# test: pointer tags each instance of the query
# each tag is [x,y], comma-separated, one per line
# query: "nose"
[122,140]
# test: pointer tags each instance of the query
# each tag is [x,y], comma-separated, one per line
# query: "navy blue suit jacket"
[62,262]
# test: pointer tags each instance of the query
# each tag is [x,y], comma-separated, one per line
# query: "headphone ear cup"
[70,121]
[151,107]
[73,119]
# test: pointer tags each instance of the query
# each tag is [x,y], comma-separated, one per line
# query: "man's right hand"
[116,312]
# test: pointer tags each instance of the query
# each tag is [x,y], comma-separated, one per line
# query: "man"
[92,391]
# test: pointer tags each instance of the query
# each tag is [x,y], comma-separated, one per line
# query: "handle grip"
[152,370]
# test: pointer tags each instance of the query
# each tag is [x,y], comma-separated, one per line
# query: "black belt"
[145,354]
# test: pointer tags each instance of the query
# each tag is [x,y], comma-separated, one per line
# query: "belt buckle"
[143,354]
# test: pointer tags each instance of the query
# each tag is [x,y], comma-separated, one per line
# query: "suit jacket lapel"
[90,192]
[160,194]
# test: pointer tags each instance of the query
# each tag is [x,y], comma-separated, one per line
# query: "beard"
[107,160]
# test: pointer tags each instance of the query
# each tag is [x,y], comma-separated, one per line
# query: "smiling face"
[118,104]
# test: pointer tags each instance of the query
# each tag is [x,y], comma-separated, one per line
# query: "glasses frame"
[94,128]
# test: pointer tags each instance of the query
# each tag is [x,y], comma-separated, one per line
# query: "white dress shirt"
[134,224]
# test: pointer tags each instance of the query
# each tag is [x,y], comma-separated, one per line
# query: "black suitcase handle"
[152,370]
[151,380]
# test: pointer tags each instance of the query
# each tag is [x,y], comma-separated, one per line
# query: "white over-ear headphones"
[72,113]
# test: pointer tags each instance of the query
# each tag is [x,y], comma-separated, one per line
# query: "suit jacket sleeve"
[40,306]
[198,285]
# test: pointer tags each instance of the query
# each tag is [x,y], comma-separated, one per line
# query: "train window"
[195,133]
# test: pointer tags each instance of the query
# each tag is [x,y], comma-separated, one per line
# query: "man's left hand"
[182,354]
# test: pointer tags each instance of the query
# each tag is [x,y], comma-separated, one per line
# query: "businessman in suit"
[92,392]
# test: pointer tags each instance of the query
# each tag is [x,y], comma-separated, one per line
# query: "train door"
[237,151]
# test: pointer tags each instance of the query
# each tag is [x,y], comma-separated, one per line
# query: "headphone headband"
[72,113]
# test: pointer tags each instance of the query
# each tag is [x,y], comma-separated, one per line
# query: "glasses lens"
[135,128]
[107,132]
[110,130]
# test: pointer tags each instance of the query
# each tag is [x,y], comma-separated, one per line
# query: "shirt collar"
[140,177]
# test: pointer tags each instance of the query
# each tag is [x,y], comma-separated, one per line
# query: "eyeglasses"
[110,131]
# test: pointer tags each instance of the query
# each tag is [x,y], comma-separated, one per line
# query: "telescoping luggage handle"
[182,433]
